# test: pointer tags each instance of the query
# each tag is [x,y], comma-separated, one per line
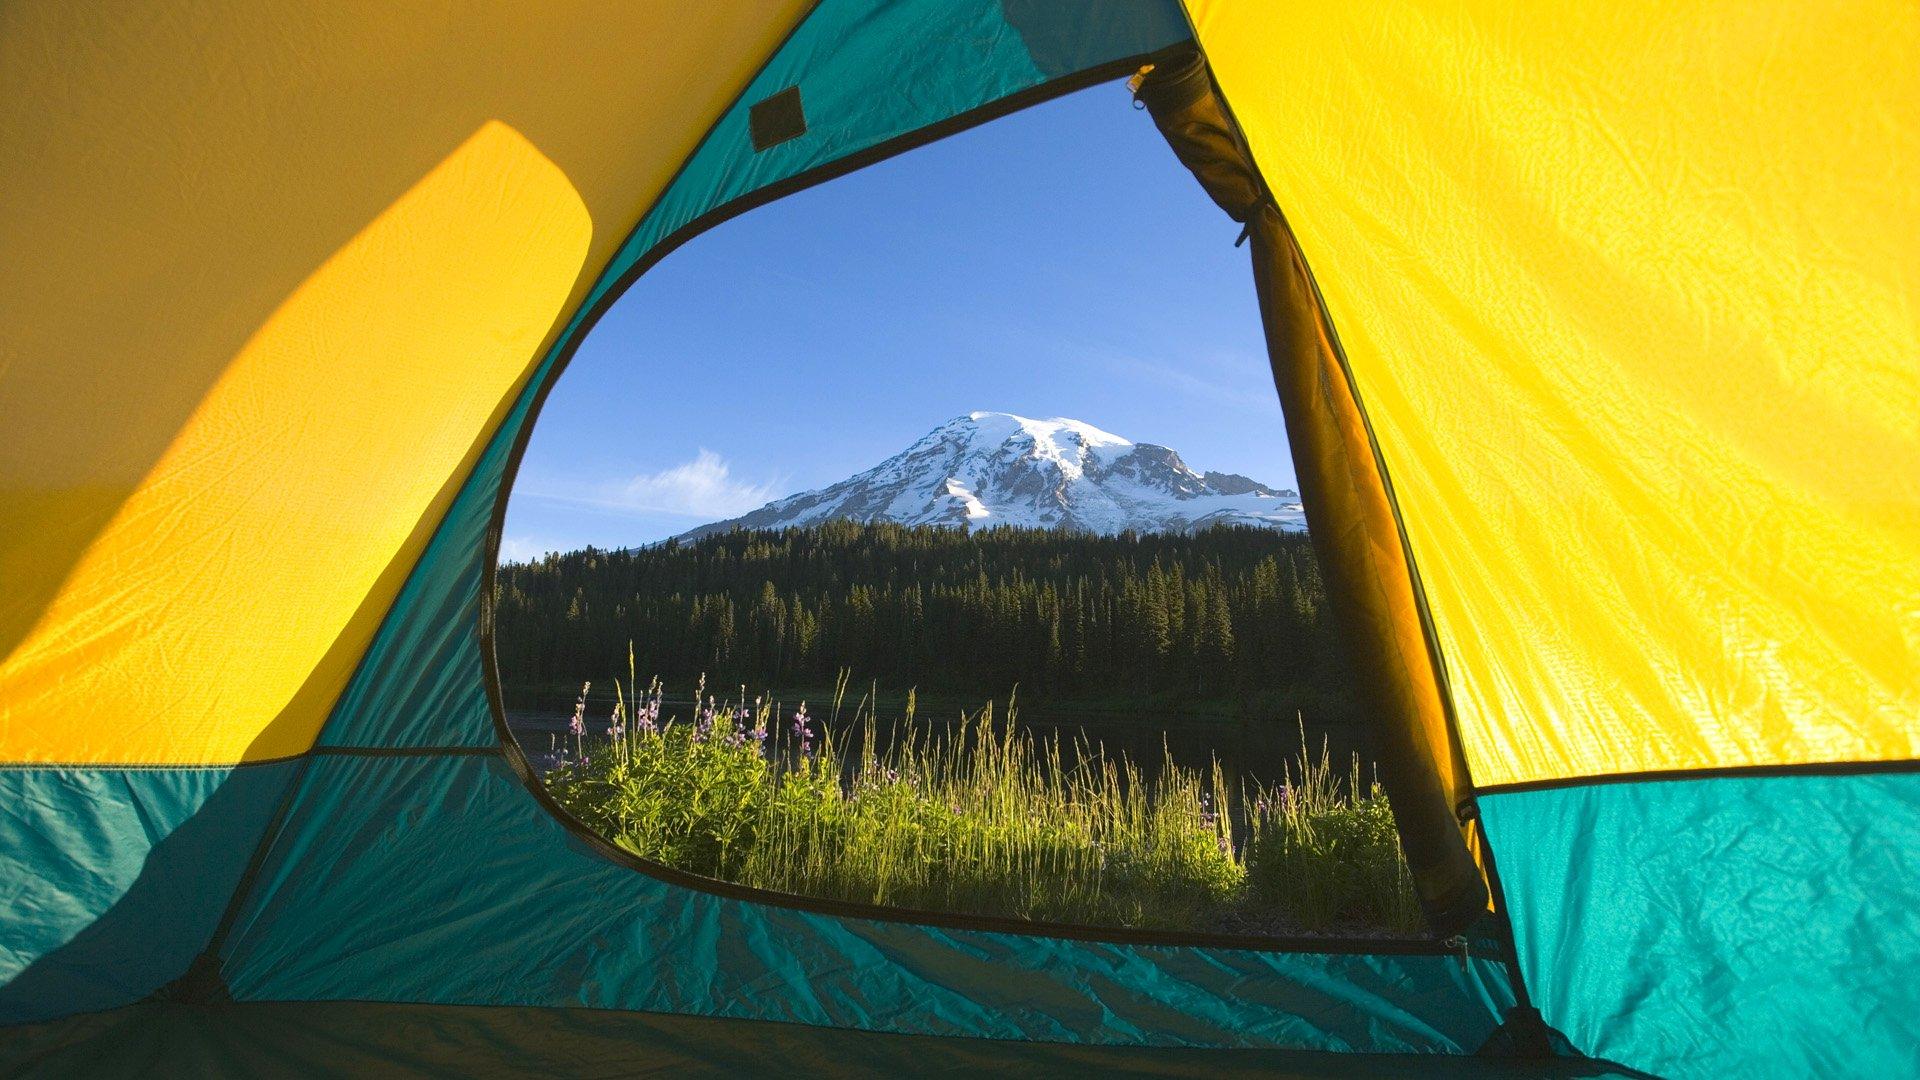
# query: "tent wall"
[438,879]
[115,878]
[1629,293]
[1766,922]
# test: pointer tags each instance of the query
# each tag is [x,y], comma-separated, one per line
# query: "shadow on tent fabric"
[364,1038]
[118,921]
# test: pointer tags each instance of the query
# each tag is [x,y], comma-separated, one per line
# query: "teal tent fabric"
[437,878]
[115,878]
[1652,917]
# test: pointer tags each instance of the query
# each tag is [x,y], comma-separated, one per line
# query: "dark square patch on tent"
[777,119]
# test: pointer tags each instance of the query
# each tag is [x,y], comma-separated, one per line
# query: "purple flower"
[703,724]
[578,725]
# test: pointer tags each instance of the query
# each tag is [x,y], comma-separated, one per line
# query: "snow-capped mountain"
[987,469]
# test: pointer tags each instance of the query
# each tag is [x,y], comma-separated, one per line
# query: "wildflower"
[801,730]
[578,725]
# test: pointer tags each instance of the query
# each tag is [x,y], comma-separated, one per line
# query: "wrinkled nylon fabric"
[1630,295]
[111,880]
[273,277]
[504,907]
[1747,926]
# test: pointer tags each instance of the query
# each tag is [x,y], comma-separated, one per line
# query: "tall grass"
[982,817]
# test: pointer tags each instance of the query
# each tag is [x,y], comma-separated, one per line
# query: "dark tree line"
[1060,614]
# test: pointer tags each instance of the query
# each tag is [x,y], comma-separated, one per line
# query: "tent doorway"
[859,557]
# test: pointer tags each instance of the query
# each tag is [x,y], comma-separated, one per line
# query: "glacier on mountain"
[988,469]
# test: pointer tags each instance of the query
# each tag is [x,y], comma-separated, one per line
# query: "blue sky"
[1058,262]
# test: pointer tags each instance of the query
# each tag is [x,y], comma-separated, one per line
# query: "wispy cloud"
[523,548]
[1217,380]
[703,488]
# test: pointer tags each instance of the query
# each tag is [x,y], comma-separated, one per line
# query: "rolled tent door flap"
[1350,514]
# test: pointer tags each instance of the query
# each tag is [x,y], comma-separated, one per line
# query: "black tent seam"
[1716,772]
[148,766]
[407,751]
[207,961]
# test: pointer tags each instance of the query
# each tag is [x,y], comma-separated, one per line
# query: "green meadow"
[982,817]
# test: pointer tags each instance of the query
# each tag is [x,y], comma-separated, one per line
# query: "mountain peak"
[1007,425]
[984,469]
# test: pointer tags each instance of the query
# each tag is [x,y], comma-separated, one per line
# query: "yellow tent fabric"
[279,296]
[1630,293]
[1629,298]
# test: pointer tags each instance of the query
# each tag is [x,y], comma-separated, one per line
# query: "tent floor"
[365,1039]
